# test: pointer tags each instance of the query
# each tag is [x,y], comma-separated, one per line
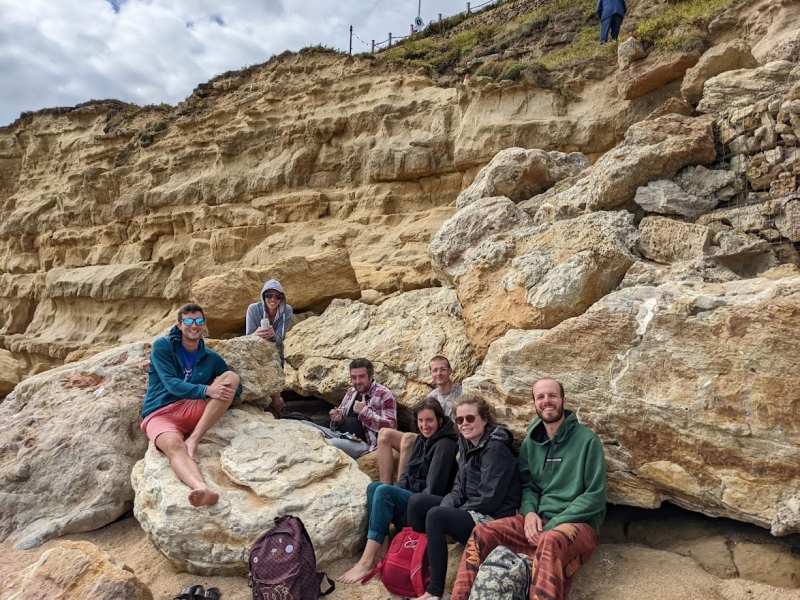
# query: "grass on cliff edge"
[661,31]
[440,55]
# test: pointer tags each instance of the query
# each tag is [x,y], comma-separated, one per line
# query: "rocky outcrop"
[310,155]
[533,276]
[653,72]
[10,372]
[255,361]
[668,198]
[75,570]
[695,191]
[708,368]
[667,241]
[69,441]
[518,174]
[262,469]
[399,336]
[652,150]
[719,59]
[744,87]
[71,437]
[466,237]
[629,51]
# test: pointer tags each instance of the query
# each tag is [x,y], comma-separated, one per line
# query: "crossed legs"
[556,557]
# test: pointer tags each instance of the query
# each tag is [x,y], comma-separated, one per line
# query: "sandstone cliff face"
[119,218]
[623,260]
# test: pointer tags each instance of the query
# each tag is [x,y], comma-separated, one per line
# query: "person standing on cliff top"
[446,393]
[610,13]
[189,388]
[563,473]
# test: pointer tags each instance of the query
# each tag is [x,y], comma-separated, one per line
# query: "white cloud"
[64,52]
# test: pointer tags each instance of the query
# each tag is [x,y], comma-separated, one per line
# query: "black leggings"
[426,516]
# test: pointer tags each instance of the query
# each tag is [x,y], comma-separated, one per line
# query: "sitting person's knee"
[170,443]
[408,440]
[383,437]
[230,376]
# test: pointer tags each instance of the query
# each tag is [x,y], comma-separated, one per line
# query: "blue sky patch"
[218,20]
[115,4]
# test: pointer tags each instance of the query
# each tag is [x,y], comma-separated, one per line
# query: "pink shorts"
[181,417]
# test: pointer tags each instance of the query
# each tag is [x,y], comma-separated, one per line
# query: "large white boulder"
[262,469]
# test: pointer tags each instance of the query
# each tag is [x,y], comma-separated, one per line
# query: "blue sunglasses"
[197,321]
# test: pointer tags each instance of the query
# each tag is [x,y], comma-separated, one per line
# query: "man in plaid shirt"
[366,408]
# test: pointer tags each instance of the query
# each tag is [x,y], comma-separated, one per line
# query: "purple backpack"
[283,565]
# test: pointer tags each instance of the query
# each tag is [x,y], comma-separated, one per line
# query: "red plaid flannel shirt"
[380,411]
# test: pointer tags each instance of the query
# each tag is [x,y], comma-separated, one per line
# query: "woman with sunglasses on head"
[487,487]
[430,470]
[270,320]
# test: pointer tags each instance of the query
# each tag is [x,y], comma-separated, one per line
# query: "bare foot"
[203,497]
[357,573]
[277,402]
[191,449]
[428,596]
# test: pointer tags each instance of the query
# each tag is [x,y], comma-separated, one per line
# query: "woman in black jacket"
[430,470]
[487,487]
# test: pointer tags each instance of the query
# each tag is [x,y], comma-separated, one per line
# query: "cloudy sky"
[64,52]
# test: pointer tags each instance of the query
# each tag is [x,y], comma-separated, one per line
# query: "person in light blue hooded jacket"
[278,313]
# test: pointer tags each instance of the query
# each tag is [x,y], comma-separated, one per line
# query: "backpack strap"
[330,583]
[418,571]
[375,571]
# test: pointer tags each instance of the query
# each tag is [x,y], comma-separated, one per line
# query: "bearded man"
[366,408]
[563,473]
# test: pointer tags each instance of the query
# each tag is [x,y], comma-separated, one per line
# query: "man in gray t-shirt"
[445,392]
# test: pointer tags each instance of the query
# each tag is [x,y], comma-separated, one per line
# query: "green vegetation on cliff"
[503,40]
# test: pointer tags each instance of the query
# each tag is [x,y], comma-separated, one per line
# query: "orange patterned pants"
[558,555]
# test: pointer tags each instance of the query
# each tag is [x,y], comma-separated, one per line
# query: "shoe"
[191,593]
[213,593]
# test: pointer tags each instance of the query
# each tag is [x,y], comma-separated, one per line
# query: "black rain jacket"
[488,475]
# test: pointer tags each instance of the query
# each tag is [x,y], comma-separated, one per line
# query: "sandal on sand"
[213,593]
[190,593]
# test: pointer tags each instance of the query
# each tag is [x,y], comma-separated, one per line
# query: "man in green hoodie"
[563,473]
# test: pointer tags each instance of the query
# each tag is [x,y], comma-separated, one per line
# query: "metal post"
[467,7]
[390,39]
[373,47]
[412,29]
[351,40]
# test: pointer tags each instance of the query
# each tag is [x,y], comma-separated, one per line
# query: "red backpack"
[283,564]
[404,570]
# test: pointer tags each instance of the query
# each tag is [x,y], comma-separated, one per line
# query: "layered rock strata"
[307,155]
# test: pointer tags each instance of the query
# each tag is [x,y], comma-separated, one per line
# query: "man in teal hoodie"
[563,473]
[189,388]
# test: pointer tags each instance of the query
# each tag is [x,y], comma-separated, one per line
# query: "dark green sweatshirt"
[564,478]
